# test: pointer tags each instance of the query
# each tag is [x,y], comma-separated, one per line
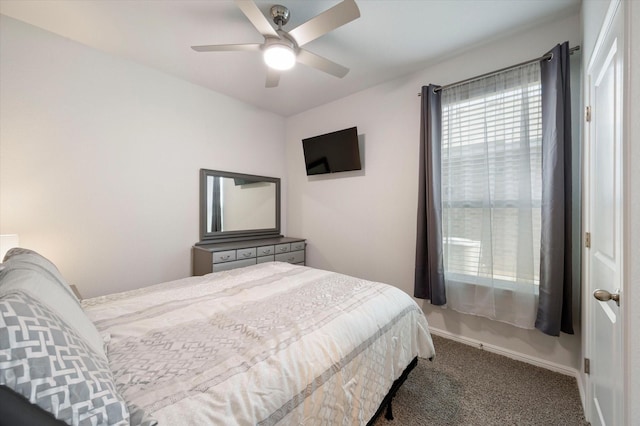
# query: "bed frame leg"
[386,402]
[389,414]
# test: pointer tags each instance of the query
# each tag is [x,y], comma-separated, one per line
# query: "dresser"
[223,256]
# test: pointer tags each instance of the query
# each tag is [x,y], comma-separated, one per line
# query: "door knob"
[604,295]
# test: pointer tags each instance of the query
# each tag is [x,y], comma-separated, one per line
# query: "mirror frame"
[244,234]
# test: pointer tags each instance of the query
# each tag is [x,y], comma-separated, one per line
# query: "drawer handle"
[246,254]
[266,251]
[283,249]
[225,257]
[292,258]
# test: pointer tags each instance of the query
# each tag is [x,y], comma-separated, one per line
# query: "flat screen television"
[332,152]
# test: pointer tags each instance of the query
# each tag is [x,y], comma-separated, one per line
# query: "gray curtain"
[216,217]
[555,301]
[429,276]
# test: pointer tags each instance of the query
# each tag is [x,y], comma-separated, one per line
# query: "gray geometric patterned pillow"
[46,361]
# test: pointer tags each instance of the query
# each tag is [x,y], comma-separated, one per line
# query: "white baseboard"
[538,362]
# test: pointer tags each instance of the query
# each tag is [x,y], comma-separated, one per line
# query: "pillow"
[29,272]
[45,360]
[18,256]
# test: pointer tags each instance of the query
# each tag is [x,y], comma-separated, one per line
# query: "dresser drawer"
[264,259]
[283,248]
[224,256]
[225,266]
[212,257]
[297,246]
[266,251]
[246,253]
[292,257]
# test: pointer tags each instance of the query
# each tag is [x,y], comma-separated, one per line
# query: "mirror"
[238,206]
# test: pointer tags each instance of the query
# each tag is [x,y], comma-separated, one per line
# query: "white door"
[604,222]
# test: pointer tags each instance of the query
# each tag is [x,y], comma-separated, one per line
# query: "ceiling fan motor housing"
[284,40]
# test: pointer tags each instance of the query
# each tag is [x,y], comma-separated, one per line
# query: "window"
[491,179]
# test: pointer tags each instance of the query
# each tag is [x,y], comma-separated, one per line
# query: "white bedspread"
[271,343]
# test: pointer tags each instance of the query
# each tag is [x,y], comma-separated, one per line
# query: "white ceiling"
[390,39]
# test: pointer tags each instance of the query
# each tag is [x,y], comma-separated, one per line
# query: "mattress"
[269,344]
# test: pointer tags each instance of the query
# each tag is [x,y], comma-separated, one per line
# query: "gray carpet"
[468,386]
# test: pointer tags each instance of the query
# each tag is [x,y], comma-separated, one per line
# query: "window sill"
[462,280]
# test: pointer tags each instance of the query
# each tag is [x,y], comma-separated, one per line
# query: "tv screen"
[332,152]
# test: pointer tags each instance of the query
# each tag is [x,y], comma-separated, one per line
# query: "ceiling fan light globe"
[279,57]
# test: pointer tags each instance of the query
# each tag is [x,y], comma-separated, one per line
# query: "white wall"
[364,223]
[248,206]
[99,158]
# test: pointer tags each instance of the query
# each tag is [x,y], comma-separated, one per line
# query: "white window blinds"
[491,181]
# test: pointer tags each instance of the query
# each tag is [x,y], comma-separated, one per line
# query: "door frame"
[631,219]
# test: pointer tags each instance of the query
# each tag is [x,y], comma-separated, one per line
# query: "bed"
[273,343]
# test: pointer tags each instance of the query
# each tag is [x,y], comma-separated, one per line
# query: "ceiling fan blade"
[323,64]
[228,48]
[273,78]
[327,21]
[251,11]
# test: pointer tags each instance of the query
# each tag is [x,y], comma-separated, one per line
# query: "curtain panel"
[491,191]
[215,221]
[555,300]
[494,204]
[429,270]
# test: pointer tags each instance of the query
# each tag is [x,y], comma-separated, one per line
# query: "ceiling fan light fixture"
[280,57]
[281,49]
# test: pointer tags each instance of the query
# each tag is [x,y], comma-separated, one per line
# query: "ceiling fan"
[282,49]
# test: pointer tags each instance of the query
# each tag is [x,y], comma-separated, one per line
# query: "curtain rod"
[478,77]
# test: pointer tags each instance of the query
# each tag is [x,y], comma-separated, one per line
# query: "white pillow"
[29,272]
[33,260]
